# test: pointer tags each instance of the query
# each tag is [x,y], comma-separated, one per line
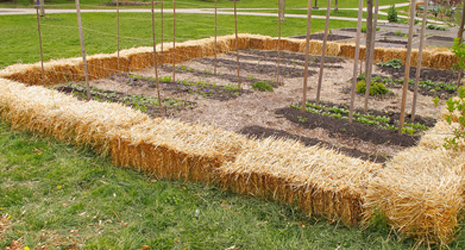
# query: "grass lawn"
[200,3]
[61,40]
[60,196]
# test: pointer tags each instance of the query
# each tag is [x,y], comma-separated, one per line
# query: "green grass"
[341,13]
[62,196]
[61,40]
[200,4]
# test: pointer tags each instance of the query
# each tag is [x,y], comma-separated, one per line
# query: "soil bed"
[434,75]
[219,102]
[142,103]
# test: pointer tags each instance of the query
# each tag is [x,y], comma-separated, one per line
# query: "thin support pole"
[42,72]
[279,47]
[117,32]
[155,58]
[323,53]
[174,40]
[420,53]
[237,47]
[369,67]
[216,36]
[357,52]
[161,34]
[407,67]
[307,51]
[83,50]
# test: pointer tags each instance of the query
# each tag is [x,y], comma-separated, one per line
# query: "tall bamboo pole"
[420,53]
[117,32]
[42,71]
[323,53]
[216,36]
[371,55]
[407,66]
[237,47]
[460,37]
[369,49]
[155,64]
[161,34]
[307,51]
[357,52]
[174,40]
[83,50]
[279,44]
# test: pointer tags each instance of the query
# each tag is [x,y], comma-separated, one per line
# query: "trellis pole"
[279,44]
[407,66]
[40,44]
[420,53]
[161,34]
[323,53]
[356,56]
[117,32]
[237,47]
[307,51]
[216,36]
[155,64]
[83,50]
[174,40]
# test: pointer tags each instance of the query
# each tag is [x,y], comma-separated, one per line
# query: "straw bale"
[378,54]
[333,49]
[292,45]
[421,193]
[173,150]
[327,184]
[395,53]
[348,50]
[443,60]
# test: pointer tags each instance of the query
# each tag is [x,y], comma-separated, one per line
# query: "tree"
[460,38]
[336,6]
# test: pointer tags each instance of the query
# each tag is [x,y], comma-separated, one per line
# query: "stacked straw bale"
[321,181]
[173,150]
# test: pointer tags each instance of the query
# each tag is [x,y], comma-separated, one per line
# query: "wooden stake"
[369,56]
[83,50]
[40,46]
[279,46]
[117,31]
[307,51]
[174,40]
[323,53]
[357,52]
[161,34]
[407,66]
[155,58]
[216,35]
[237,47]
[420,53]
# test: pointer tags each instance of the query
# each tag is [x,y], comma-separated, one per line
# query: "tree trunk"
[282,7]
[368,52]
[336,6]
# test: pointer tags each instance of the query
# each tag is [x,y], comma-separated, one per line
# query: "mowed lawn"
[60,35]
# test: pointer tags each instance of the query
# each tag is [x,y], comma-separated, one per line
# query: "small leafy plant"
[456,106]
[262,86]
[377,88]
[393,63]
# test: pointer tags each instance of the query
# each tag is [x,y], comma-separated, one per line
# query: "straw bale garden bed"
[200,96]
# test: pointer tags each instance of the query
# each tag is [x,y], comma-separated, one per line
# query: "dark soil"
[262,132]
[434,75]
[290,56]
[391,42]
[341,127]
[394,34]
[257,68]
[205,89]
[349,29]
[441,93]
[320,36]
[229,77]
[441,38]
[151,109]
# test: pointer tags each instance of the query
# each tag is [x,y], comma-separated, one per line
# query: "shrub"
[262,86]
[456,114]
[392,14]
[376,88]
